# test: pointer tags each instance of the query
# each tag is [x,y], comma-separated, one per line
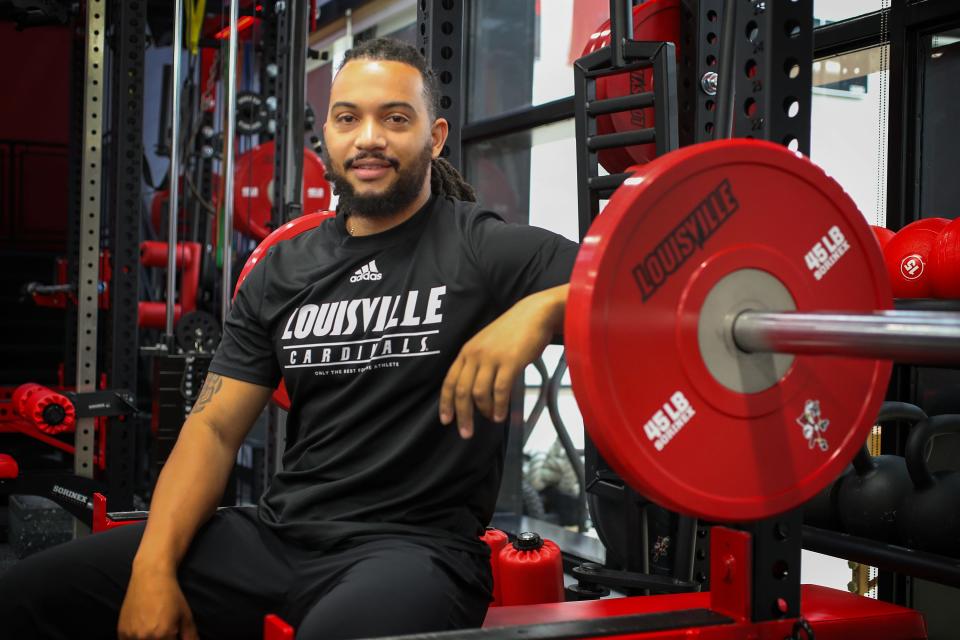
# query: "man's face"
[379,138]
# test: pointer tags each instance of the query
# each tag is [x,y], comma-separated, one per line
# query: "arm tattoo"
[210,387]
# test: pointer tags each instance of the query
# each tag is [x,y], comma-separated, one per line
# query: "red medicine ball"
[945,262]
[907,256]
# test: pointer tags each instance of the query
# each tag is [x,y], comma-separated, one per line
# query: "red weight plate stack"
[655,20]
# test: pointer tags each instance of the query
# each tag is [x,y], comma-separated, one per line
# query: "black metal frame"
[440,37]
[623,55]
[126,100]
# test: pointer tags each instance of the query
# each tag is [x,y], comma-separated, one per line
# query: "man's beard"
[401,194]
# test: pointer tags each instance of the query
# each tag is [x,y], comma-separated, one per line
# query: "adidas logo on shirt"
[368,271]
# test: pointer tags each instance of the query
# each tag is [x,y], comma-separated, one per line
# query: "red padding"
[8,467]
[31,400]
[287,231]
[274,628]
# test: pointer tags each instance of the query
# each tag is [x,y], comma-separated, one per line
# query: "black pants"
[237,571]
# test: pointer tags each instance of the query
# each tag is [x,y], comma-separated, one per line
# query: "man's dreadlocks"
[445,179]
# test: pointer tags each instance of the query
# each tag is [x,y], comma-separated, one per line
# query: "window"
[939,137]
[848,128]
[827,11]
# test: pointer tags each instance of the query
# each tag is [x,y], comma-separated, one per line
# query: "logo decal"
[911,267]
[660,548]
[667,421]
[683,240]
[813,425]
[827,252]
[368,271]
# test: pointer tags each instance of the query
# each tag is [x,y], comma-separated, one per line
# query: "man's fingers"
[448,389]
[502,386]
[188,628]
[463,399]
[483,389]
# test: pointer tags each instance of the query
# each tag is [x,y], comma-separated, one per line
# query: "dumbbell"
[907,256]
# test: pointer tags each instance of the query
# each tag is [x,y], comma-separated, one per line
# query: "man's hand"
[155,609]
[487,365]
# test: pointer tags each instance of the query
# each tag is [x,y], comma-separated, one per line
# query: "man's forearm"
[556,301]
[186,494]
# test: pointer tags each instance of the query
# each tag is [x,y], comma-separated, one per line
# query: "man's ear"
[438,135]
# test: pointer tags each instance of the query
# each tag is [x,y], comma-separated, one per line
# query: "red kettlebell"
[496,540]
[531,571]
[882,234]
[907,256]
[929,518]
[945,262]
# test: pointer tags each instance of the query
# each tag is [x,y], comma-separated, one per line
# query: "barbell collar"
[914,337]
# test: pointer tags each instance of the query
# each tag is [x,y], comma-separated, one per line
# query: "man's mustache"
[367,155]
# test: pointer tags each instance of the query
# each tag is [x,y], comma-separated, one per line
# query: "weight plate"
[656,21]
[197,331]
[253,190]
[690,231]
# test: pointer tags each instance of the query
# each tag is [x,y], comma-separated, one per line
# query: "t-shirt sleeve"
[246,350]
[519,259]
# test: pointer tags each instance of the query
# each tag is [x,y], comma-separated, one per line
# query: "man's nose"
[370,135]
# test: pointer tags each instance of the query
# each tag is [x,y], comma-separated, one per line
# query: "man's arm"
[194,477]
[488,364]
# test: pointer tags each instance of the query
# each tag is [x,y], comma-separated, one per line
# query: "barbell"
[730,330]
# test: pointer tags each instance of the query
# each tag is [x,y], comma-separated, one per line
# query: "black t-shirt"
[363,331]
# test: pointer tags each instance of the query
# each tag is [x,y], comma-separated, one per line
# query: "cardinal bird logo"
[813,425]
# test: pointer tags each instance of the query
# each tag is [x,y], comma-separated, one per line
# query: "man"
[390,325]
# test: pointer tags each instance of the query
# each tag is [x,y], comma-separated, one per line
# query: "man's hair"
[445,179]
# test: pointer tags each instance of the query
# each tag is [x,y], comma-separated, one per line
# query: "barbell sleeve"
[914,337]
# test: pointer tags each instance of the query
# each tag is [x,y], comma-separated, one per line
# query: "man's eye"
[346,118]
[397,119]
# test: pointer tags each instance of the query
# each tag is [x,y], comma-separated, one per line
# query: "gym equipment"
[197,331]
[701,286]
[822,511]
[907,256]
[253,189]
[882,234]
[290,229]
[187,261]
[496,540]
[44,408]
[868,498]
[655,20]
[531,571]
[929,517]
[251,113]
[945,262]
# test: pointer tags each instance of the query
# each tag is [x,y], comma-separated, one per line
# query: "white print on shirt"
[328,318]
[362,315]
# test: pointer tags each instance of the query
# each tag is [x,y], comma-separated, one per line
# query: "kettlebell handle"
[917,442]
[892,410]
[863,462]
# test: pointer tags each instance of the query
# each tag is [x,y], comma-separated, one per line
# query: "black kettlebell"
[868,498]
[929,517]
